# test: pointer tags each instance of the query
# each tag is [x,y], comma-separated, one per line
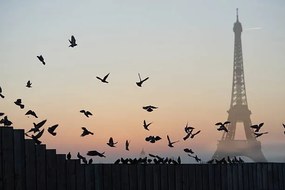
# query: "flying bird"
[146,125]
[195,157]
[187,136]
[95,153]
[5,121]
[127,145]
[29,84]
[86,113]
[111,142]
[283,126]
[18,102]
[149,108]
[170,144]
[37,126]
[37,136]
[187,150]
[259,134]
[222,126]
[194,134]
[188,129]
[104,80]
[51,130]
[1,95]
[85,132]
[41,58]
[141,81]
[257,127]
[1,114]
[72,42]
[32,113]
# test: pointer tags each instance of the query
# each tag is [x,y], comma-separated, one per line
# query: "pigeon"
[187,136]
[95,153]
[41,58]
[37,126]
[72,42]
[51,130]
[188,129]
[37,136]
[68,156]
[187,150]
[90,161]
[1,114]
[127,145]
[111,142]
[257,127]
[86,113]
[149,108]
[222,126]
[146,125]
[5,121]
[170,144]
[104,80]
[259,134]
[85,132]
[18,102]
[29,84]
[80,157]
[195,157]
[193,135]
[141,81]
[32,113]
[1,95]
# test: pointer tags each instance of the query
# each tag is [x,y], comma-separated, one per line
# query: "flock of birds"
[36,131]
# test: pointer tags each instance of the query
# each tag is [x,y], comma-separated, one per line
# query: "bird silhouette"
[95,153]
[6,122]
[37,136]
[32,113]
[283,126]
[1,114]
[41,58]
[141,81]
[104,80]
[90,161]
[187,150]
[1,95]
[195,157]
[111,142]
[18,102]
[188,129]
[72,42]
[259,134]
[170,144]
[80,157]
[187,136]
[68,156]
[257,127]
[29,84]
[86,113]
[84,160]
[127,144]
[149,108]
[146,125]
[51,130]
[152,139]
[85,132]
[37,126]
[194,134]
[222,126]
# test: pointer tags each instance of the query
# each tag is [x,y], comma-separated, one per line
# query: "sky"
[184,47]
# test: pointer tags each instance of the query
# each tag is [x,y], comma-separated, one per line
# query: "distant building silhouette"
[239,112]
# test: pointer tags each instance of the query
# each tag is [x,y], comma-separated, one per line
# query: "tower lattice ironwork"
[239,112]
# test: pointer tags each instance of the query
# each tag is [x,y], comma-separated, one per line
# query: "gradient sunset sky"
[185,47]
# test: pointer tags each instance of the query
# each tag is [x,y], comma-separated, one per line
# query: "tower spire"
[237,14]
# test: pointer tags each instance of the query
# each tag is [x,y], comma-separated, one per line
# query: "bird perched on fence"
[104,80]
[1,95]
[51,130]
[149,108]
[86,113]
[170,144]
[90,161]
[127,144]
[222,126]
[257,127]
[41,58]
[95,153]
[80,157]
[37,136]
[72,42]
[6,122]
[37,126]
[111,142]
[18,102]
[85,132]
[29,84]
[68,156]
[146,125]
[141,81]
[32,113]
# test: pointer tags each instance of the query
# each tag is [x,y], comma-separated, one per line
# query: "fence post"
[19,155]
[80,175]
[98,175]
[1,160]
[89,177]
[41,166]
[30,164]
[71,174]
[61,171]
[51,169]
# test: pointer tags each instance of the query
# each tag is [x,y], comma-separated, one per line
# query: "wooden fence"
[26,166]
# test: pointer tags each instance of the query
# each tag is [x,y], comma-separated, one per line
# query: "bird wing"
[88,113]
[153,107]
[145,79]
[261,124]
[168,139]
[29,112]
[105,77]
[111,141]
[140,77]
[219,123]
[283,125]
[0,90]
[99,78]
[37,136]
[227,122]
[82,111]
[254,126]
[197,132]
[40,124]
[73,39]
[53,127]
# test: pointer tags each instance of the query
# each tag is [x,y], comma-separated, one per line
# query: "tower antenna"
[237,13]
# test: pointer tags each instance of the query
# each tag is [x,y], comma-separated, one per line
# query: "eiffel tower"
[239,112]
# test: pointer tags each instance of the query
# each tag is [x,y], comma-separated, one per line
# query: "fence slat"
[90,177]
[205,176]
[61,171]
[41,166]
[229,176]
[125,177]
[217,169]
[235,177]
[211,176]
[264,176]
[245,176]
[30,153]
[71,174]
[80,176]
[51,169]
[199,178]
[149,176]
[178,177]
[171,177]
[164,177]
[240,177]
[107,172]
[98,171]
[275,176]
[19,155]
[1,159]
[116,177]
[133,176]
[156,177]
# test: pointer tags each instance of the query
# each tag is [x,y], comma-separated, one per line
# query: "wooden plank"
[8,158]
[116,177]
[19,155]
[250,175]
[1,159]
[156,177]
[71,174]
[107,172]
[217,170]
[264,176]
[281,175]
[51,169]
[185,176]
[223,176]
[90,177]
[80,176]
[283,171]
[178,177]
[61,171]
[133,176]
[211,176]
[240,177]
[164,177]
[235,176]
[125,177]
[205,176]
[149,176]
[245,176]
[270,174]
[171,177]
[41,166]
[275,176]
[30,153]
[229,176]
[98,171]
